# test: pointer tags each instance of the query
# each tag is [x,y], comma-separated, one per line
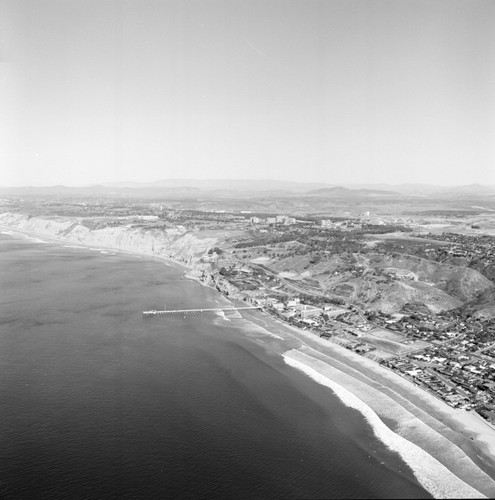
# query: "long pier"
[185,312]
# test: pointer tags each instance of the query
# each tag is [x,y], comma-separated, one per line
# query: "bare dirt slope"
[460,282]
[385,282]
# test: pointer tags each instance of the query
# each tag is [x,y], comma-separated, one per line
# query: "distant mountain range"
[313,188]
[223,185]
[470,190]
[346,192]
[188,188]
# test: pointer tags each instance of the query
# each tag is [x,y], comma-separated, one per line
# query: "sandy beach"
[457,446]
[451,451]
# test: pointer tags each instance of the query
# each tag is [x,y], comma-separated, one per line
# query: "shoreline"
[462,435]
[459,440]
[75,244]
[433,476]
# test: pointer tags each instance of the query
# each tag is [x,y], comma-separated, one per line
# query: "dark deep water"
[97,402]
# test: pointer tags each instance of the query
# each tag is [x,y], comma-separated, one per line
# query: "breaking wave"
[431,474]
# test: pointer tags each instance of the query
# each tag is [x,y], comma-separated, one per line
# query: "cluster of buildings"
[278,219]
[460,245]
[460,379]
[472,334]
[429,381]
[459,363]
[326,321]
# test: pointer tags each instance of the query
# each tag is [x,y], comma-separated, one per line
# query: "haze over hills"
[346,192]
[253,187]
[471,190]
[224,184]
[307,187]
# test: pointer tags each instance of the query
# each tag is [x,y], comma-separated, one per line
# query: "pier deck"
[170,312]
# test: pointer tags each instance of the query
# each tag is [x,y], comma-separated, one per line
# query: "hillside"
[460,282]
[373,280]
[340,267]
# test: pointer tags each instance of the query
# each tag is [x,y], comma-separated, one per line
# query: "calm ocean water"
[96,402]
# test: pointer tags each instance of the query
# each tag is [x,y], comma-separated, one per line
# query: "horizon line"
[146,184]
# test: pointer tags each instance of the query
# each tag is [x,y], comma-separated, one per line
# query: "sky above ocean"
[335,91]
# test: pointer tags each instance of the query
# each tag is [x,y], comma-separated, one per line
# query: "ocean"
[97,402]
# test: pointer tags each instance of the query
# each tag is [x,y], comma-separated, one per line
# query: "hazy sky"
[335,91]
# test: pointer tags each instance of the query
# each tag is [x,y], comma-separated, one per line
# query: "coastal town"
[449,354]
[385,287]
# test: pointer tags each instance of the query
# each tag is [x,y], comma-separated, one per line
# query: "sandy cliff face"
[174,243]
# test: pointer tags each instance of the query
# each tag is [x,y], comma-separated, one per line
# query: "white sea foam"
[221,314]
[259,329]
[431,474]
[270,334]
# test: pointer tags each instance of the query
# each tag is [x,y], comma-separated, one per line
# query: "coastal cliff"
[175,243]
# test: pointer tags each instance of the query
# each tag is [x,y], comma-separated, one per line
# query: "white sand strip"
[431,474]
[435,408]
